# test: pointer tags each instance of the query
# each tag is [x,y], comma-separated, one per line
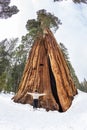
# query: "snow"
[15,116]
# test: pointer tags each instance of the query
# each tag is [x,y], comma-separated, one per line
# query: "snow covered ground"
[14,116]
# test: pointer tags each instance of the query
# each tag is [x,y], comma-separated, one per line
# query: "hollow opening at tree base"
[53,86]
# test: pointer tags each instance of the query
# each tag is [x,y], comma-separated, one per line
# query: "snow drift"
[22,117]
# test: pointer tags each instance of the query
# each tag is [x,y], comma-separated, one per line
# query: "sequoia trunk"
[46,70]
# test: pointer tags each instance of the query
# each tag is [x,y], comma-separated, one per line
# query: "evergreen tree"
[16,74]
[83,85]
[35,27]
[12,62]
[6,52]
[19,58]
[3,59]
[7,11]
[75,1]
[72,71]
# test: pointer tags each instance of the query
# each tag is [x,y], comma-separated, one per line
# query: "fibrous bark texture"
[46,70]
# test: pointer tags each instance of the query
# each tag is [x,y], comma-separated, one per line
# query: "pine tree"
[72,71]
[7,11]
[36,27]
[83,85]
[19,58]
[75,1]
[6,61]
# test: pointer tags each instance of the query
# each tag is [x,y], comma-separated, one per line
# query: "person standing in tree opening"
[36,96]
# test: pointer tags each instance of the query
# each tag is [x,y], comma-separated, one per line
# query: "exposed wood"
[46,70]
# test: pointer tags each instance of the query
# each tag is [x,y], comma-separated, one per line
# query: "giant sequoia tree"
[7,11]
[46,69]
[35,27]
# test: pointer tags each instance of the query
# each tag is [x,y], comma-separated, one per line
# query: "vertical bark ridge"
[46,70]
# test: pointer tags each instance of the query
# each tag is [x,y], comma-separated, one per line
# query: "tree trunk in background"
[46,70]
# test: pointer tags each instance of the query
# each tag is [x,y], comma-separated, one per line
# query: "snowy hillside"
[15,116]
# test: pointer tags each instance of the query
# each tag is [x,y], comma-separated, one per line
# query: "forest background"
[14,52]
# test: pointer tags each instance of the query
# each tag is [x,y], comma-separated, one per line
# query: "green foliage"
[33,27]
[36,26]
[3,60]
[6,62]
[12,62]
[47,20]
[7,11]
[3,82]
[20,55]
[79,1]
[72,71]
[65,51]
[75,1]
[16,74]
[83,85]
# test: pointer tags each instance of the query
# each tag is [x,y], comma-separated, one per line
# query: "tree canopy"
[75,1]
[7,11]
[36,27]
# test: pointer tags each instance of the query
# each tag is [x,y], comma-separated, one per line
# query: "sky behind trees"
[72,33]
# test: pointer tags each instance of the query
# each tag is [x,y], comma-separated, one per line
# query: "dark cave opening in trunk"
[53,86]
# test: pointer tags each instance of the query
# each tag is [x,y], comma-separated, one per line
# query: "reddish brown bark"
[46,70]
